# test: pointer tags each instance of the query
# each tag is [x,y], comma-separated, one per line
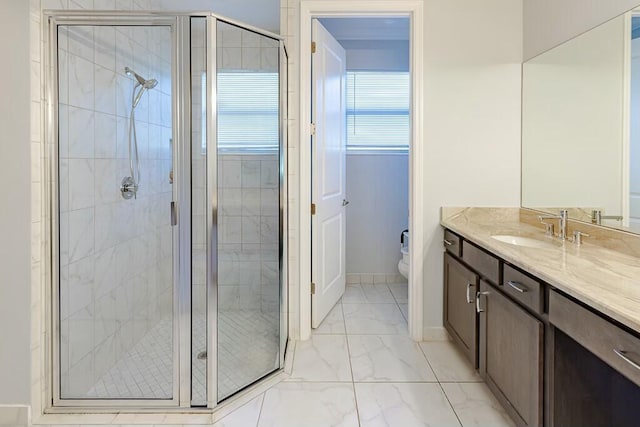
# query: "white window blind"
[248,105]
[377,110]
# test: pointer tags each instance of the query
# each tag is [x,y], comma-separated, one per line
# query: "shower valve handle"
[129,188]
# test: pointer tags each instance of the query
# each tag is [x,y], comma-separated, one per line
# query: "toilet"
[403,264]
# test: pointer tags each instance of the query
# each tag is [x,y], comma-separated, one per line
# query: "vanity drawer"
[522,288]
[452,242]
[482,262]
[616,347]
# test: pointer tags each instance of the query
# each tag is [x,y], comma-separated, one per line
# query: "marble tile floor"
[360,368]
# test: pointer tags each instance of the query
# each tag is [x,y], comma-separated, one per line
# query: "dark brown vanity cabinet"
[485,314]
[549,359]
[511,355]
[460,320]
[595,369]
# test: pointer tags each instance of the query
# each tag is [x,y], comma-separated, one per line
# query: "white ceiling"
[367,28]
[264,14]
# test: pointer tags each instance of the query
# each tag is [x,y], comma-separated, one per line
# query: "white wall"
[572,123]
[15,218]
[547,23]
[377,55]
[473,52]
[264,14]
[378,211]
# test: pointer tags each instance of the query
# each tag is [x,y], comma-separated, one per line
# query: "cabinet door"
[511,355]
[460,286]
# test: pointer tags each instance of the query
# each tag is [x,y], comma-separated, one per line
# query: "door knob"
[345,202]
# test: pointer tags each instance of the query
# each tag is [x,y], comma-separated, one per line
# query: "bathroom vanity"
[553,328]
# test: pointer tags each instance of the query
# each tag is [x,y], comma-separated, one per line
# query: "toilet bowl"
[403,264]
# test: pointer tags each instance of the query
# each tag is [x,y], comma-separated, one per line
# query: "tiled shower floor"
[248,349]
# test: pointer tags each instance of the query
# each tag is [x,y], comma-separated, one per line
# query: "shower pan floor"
[248,348]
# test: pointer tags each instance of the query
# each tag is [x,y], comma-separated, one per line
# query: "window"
[377,110]
[248,105]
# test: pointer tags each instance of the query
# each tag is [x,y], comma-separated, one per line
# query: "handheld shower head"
[142,82]
[150,84]
[147,84]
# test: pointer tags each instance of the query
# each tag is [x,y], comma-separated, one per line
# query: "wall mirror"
[581,126]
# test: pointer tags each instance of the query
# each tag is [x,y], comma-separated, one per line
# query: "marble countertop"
[607,280]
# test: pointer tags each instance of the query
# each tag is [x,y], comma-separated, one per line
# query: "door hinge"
[313,208]
[313,288]
[313,47]
[312,128]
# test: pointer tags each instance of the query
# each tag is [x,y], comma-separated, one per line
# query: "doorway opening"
[318,235]
[360,170]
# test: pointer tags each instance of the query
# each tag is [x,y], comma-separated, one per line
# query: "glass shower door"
[115,188]
[249,221]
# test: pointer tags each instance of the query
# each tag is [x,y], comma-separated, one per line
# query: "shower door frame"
[180,24]
[181,232]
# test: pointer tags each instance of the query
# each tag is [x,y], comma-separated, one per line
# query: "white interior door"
[328,192]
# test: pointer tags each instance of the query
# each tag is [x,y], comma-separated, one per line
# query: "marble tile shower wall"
[116,254]
[249,239]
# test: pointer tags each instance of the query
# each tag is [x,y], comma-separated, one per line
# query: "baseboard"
[374,278]
[14,416]
[435,333]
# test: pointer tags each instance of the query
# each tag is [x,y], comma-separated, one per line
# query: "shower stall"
[167,161]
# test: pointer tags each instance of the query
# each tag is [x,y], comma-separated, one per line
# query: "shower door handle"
[174,214]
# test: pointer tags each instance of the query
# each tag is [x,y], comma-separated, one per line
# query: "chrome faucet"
[597,217]
[562,223]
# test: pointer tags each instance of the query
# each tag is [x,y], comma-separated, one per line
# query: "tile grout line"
[446,382]
[429,363]
[450,405]
[353,384]
[264,396]
[440,386]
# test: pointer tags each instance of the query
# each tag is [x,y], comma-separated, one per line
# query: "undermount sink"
[522,241]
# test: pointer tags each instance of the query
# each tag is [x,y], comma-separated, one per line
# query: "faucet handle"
[548,228]
[577,237]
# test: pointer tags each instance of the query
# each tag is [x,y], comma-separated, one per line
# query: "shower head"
[142,82]
[147,84]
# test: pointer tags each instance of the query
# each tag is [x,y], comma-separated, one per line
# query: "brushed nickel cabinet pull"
[448,242]
[623,355]
[478,294]
[469,286]
[517,286]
